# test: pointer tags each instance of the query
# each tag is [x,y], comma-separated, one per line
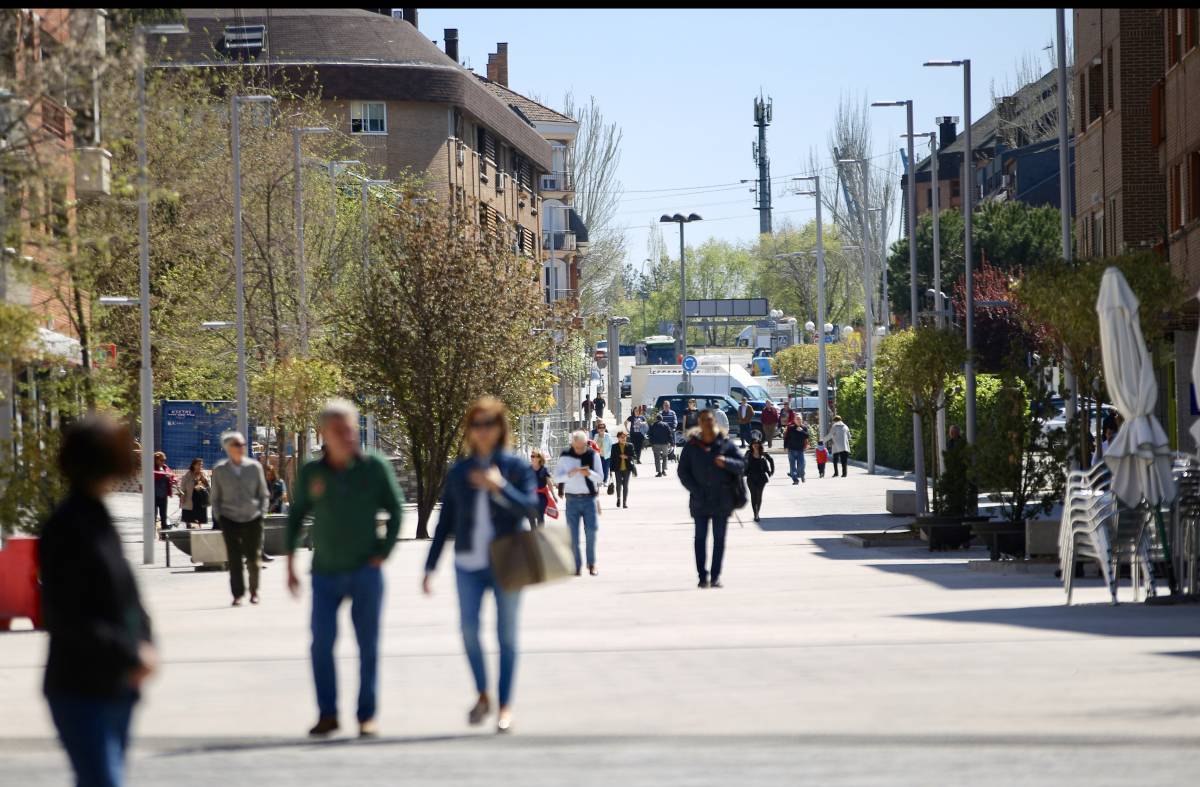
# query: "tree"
[799,363]
[1000,322]
[1039,120]
[444,314]
[594,165]
[791,282]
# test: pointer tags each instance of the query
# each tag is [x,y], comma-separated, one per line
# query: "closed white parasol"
[1139,455]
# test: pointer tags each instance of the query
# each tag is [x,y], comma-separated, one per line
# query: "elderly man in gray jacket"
[239,499]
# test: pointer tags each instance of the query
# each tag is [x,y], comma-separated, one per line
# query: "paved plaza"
[819,663]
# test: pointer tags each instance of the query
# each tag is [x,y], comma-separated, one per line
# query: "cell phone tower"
[762,119]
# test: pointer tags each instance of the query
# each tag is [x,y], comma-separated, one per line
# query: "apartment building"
[411,106]
[1176,103]
[564,236]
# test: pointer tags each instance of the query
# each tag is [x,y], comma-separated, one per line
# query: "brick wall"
[1181,97]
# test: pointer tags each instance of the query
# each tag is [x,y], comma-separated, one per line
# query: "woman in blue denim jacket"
[489,494]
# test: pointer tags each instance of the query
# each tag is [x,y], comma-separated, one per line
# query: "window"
[1112,225]
[955,189]
[1193,30]
[1194,185]
[1175,27]
[1158,114]
[929,197]
[368,117]
[1108,92]
[1095,92]
[1098,233]
[1175,208]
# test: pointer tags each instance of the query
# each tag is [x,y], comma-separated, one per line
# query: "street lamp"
[823,407]
[912,206]
[301,279]
[220,325]
[235,131]
[967,183]
[885,315]
[680,219]
[614,363]
[146,371]
[366,185]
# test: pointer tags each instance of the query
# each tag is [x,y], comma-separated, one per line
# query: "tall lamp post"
[301,278]
[680,219]
[1066,211]
[235,130]
[915,302]
[967,183]
[614,363]
[822,374]
[146,371]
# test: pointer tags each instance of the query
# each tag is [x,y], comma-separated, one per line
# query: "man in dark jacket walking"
[662,437]
[710,468]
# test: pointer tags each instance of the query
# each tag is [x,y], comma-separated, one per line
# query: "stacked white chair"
[1088,518]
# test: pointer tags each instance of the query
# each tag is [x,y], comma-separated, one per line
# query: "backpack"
[741,496]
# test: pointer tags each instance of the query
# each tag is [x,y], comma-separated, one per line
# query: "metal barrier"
[548,432]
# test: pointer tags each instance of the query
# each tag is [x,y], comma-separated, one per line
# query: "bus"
[656,350]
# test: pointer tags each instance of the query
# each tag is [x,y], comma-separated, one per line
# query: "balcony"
[556,184]
[558,241]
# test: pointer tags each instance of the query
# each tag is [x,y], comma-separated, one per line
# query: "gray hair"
[579,434]
[232,436]
[338,408]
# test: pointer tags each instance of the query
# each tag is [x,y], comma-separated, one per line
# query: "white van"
[710,378]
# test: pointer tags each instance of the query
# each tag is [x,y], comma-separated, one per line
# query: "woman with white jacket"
[838,443]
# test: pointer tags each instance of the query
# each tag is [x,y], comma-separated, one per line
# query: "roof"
[984,130]
[352,53]
[524,106]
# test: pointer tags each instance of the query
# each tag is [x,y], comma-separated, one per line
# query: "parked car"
[707,402]
[1059,419]
[626,385]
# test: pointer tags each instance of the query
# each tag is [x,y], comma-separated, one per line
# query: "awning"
[52,344]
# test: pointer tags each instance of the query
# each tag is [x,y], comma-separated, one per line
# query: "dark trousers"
[622,479]
[719,522]
[639,442]
[160,505]
[95,733]
[843,457]
[364,587]
[243,544]
[821,469]
[756,489]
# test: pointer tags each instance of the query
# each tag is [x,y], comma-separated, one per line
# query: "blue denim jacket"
[509,507]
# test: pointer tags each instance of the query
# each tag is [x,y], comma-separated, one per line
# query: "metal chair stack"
[1088,516]
[1185,530]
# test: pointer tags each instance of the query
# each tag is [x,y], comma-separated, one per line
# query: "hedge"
[893,419]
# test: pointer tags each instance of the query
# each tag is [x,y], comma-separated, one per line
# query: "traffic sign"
[690,364]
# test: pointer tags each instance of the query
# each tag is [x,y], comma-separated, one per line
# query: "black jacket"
[759,468]
[795,438]
[712,488]
[90,603]
[691,419]
[661,433]
[614,459]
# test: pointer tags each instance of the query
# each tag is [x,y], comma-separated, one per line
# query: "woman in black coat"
[622,463]
[100,648]
[710,467]
[759,469]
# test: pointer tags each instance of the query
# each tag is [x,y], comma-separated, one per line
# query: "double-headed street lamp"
[680,219]
[235,131]
[967,181]
[301,278]
[146,371]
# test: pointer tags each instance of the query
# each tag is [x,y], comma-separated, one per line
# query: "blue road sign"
[690,364]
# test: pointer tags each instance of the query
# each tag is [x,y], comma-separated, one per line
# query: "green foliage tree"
[799,364]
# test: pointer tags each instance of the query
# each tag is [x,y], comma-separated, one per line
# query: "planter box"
[20,594]
[1041,537]
[901,502]
[1002,538]
[946,532]
[207,547]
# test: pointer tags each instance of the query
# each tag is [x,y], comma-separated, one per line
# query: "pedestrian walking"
[101,649]
[488,495]
[621,463]
[277,490]
[239,501]
[691,417]
[821,454]
[545,489]
[638,429]
[588,407]
[579,471]
[604,444]
[838,443]
[786,415]
[164,482]
[745,420]
[759,469]
[770,422]
[599,403]
[710,468]
[662,437]
[193,494]
[722,419]
[343,491]
[795,442]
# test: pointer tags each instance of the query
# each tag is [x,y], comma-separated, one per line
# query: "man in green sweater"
[343,492]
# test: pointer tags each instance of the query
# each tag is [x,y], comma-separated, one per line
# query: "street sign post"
[690,364]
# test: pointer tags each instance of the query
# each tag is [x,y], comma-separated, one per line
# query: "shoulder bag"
[530,557]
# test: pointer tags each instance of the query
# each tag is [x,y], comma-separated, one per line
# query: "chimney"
[502,64]
[947,130]
[492,71]
[410,16]
[451,36]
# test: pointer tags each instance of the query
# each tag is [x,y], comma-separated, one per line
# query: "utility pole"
[762,119]
[1066,208]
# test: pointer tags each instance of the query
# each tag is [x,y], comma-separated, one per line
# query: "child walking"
[822,456]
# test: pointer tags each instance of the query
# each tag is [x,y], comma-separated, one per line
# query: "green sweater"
[344,506]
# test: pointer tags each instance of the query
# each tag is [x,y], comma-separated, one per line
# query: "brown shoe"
[368,729]
[478,713]
[253,598]
[325,725]
[237,602]
[593,570]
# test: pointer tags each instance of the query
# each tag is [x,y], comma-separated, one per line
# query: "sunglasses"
[484,424]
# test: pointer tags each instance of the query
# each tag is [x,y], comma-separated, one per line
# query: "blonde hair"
[490,406]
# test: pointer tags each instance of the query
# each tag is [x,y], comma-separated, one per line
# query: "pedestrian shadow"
[955,575]
[168,748]
[1187,654]
[847,523]
[1124,620]
[837,549]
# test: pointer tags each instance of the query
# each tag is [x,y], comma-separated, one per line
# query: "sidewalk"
[819,663]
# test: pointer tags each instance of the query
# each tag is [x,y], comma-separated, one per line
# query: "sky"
[681,85]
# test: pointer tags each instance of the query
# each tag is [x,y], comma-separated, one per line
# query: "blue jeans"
[95,733]
[582,508]
[364,586]
[471,587]
[604,467]
[795,464]
[720,522]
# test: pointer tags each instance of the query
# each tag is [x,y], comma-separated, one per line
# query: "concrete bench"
[208,549]
[1041,537]
[902,502]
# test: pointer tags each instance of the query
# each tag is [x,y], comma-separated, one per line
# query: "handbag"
[612,487]
[530,557]
[551,510]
